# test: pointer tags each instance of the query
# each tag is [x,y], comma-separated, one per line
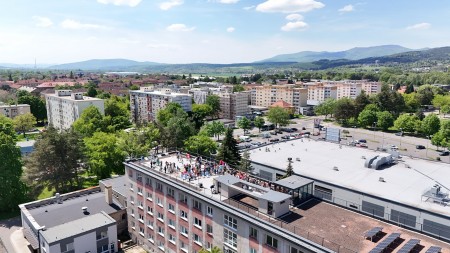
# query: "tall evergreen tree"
[228,151]
[246,163]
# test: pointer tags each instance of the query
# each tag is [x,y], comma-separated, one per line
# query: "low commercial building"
[11,111]
[65,106]
[88,220]
[145,104]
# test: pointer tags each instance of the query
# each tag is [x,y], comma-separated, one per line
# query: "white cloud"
[131,3]
[347,8]
[230,29]
[289,6]
[419,26]
[296,17]
[169,4]
[179,28]
[247,8]
[228,1]
[42,21]
[75,25]
[294,26]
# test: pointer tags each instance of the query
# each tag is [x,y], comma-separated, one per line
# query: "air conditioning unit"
[381,179]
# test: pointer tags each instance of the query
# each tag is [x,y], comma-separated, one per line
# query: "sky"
[211,31]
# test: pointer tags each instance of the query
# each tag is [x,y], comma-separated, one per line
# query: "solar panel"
[385,243]
[434,249]
[409,246]
[373,232]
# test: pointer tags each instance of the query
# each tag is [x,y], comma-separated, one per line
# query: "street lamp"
[374,129]
[401,135]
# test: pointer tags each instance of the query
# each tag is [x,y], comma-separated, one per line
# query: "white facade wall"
[85,243]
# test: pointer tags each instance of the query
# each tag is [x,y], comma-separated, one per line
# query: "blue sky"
[211,31]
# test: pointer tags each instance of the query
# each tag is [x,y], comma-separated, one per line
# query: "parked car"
[393,147]
[308,133]
[444,153]
[399,133]
[420,147]
[274,140]
[286,137]
[362,141]
[361,145]
[294,129]
[256,143]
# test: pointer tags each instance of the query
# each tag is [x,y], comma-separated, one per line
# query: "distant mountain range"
[351,54]
[104,65]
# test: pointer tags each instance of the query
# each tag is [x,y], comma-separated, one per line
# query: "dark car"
[294,129]
[286,137]
[363,141]
[274,140]
[306,133]
[444,153]
[420,147]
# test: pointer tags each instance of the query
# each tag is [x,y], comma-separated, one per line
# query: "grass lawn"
[29,136]
[46,193]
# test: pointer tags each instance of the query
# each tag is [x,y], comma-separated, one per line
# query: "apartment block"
[267,95]
[145,104]
[170,213]
[319,92]
[234,104]
[11,111]
[65,106]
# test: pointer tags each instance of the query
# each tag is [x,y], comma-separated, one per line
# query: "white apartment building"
[11,111]
[319,92]
[234,104]
[146,103]
[266,95]
[64,107]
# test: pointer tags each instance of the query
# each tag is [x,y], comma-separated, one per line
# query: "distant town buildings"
[65,106]
[11,111]
[234,104]
[266,95]
[146,103]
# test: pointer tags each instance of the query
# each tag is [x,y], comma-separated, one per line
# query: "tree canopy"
[214,102]
[244,123]
[228,151]
[278,116]
[200,144]
[24,122]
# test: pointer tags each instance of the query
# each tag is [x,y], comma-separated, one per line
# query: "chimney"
[108,194]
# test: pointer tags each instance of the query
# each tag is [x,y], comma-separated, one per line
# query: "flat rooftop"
[118,184]
[405,181]
[55,214]
[77,227]
[157,92]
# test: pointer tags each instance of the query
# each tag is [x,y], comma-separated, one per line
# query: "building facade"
[319,92]
[64,107]
[266,95]
[11,111]
[234,104]
[145,104]
[167,214]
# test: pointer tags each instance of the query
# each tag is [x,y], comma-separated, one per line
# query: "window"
[170,192]
[161,231]
[68,247]
[132,200]
[209,211]
[150,210]
[150,224]
[161,245]
[209,229]
[230,221]
[172,223]
[197,205]
[150,196]
[230,238]
[252,250]
[141,218]
[183,230]
[159,202]
[208,245]
[131,187]
[133,224]
[140,204]
[139,177]
[139,191]
[104,248]
[160,217]
[197,239]
[132,212]
[183,214]
[141,231]
[294,250]
[102,234]
[272,242]
[151,238]
[130,173]
[183,198]
[172,238]
[159,187]
[198,222]
[171,208]
[148,181]
[253,233]
[183,246]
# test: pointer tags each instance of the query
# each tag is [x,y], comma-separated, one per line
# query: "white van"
[245,138]
[265,135]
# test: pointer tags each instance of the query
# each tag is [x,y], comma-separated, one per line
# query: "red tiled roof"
[281,104]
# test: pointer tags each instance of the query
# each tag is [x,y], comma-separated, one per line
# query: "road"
[375,139]
[7,228]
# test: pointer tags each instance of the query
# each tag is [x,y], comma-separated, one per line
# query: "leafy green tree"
[24,122]
[367,118]
[215,128]
[92,92]
[278,116]
[214,249]
[55,161]
[228,151]
[7,126]
[134,87]
[430,124]
[344,109]
[178,129]
[409,88]
[439,140]
[407,123]
[246,163]
[441,100]
[199,113]
[385,120]
[214,102]
[259,122]
[133,143]
[412,104]
[163,116]
[200,144]
[289,170]
[389,100]
[361,101]
[244,123]
[326,108]
[104,155]
[117,114]
[445,109]
[12,190]
[426,93]
[238,88]
[445,130]
[90,121]
[37,105]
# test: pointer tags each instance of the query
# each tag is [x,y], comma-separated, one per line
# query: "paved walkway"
[12,236]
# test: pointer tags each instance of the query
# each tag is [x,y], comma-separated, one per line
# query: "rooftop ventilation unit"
[381,179]
[335,168]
